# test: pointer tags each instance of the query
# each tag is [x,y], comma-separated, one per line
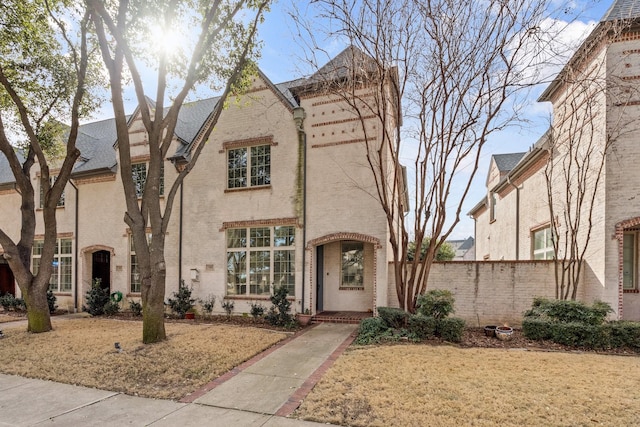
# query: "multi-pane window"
[352,257]
[543,244]
[134,269]
[629,264]
[259,257]
[52,180]
[62,276]
[249,166]
[139,175]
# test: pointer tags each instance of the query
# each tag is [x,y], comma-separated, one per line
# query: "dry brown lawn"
[8,318]
[82,352]
[419,385]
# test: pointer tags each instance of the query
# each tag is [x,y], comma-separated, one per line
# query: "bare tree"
[579,143]
[43,76]
[218,54]
[453,68]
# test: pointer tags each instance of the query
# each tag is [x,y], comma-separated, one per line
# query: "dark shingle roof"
[506,162]
[622,9]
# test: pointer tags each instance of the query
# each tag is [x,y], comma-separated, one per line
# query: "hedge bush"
[569,311]
[420,326]
[371,331]
[625,333]
[437,303]
[450,329]
[393,317]
[537,329]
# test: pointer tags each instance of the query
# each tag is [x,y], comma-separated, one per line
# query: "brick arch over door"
[337,237]
[620,228]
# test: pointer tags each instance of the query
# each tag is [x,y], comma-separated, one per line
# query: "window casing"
[629,261]
[542,247]
[258,257]
[135,279]
[52,180]
[62,276]
[249,166]
[139,175]
[352,261]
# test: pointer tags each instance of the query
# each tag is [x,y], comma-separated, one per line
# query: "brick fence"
[489,292]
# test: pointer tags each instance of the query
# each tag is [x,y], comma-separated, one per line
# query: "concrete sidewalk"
[259,393]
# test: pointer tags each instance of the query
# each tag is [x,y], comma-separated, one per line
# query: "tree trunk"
[153,297]
[38,316]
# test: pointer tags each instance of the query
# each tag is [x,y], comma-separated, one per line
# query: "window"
[352,265]
[543,244]
[52,180]
[62,277]
[264,256]
[139,175]
[134,269]
[249,166]
[629,261]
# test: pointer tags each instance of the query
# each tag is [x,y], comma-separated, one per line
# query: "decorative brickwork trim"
[259,222]
[630,51]
[349,141]
[261,140]
[9,191]
[96,179]
[619,236]
[59,236]
[252,188]
[337,122]
[631,78]
[335,101]
[141,158]
[95,248]
[335,237]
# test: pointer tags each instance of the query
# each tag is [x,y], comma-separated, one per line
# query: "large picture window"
[258,257]
[52,180]
[542,244]
[62,277]
[249,166]
[352,255]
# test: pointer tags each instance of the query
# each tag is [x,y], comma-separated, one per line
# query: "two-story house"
[581,174]
[281,196]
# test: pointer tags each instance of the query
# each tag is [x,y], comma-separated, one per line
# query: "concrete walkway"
[261,392]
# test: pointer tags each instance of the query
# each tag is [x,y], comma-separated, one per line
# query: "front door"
[7,281]
[101,268]
[319,279]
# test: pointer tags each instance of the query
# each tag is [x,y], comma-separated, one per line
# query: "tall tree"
[44,65]
[218,50]
[454,68]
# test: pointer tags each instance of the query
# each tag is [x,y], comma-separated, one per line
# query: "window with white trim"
[52,180]
[629,261]
[62,276]
[139,175]
[352,258]
[249,166]
[258,257]
[135,279]
[542,243]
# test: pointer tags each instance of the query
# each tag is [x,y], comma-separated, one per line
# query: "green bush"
[111,308]
[135,307]
[569,311]
[437,303]
[228,307]
[97,298]
[181,301]
[625,334]
[51,301]
[537,329]
[393,317]
[450,328]
[372,330]
[421,326]
[279,314]
[208,304]
[257,310]
[578,334]
[9,302]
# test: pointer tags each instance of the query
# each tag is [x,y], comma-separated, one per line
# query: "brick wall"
[490,293]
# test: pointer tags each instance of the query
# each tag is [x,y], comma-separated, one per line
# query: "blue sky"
[283,59]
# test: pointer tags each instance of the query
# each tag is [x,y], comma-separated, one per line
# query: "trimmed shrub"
[278,314]
[51,301]
[181,301]
[394,317]
[421,326]
[372,330]
[437,303]
[135,307]
[569,311]
[537,329]
[111,308]
[579,334]
[97,298]
[625,334]
[450,329]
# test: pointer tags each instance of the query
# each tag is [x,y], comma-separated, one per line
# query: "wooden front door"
[7,281]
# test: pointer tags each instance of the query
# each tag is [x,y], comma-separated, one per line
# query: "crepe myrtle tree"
[217,49]
[46,74]
[444,76]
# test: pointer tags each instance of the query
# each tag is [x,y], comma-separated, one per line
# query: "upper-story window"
[139,175]
[52,180]
[542,247]
[249,166]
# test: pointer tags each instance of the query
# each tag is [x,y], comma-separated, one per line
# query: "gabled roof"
[506,162]
[622,9]
[6,176]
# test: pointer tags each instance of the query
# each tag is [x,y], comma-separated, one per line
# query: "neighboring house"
[596,104]
[465,249]
[271,202]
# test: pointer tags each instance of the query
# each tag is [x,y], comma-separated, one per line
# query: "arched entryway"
[101,268]
[7,281]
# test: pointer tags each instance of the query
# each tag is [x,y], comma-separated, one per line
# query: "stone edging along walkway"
[298,395]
